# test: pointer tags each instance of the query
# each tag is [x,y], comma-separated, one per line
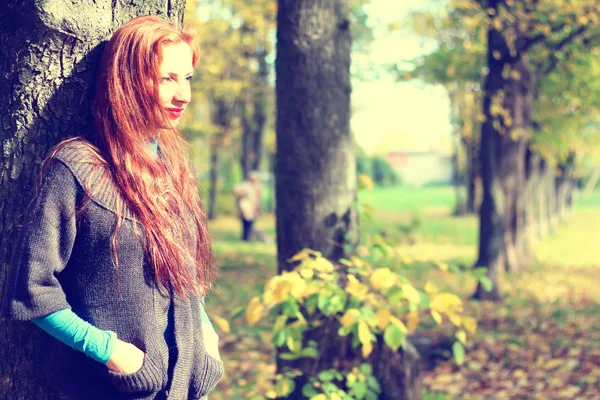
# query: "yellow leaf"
[367,348]
[281,291]
[298,285]
[320,396]
[430,288]
[383,278]
[306,273]
[364,333]
[382,318]
[312,288]
[497,24]
[496,54]
[271,394]
[436,316]
[412,320]
[455,319]
[552,364]
[323,265]
[446,302]
[399,324]
[254,311]
[280,323]
[462,336]
[335,396]
[357,289]
[222,323]
[443,266]
[470,324]
[303,255]
[519,373]
[444,378]
[357,261]
[411,293]
[366,181]
[350,318]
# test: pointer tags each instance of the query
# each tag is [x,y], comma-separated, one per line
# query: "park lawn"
[540,342]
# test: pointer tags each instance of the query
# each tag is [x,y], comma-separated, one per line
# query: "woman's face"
[175,72]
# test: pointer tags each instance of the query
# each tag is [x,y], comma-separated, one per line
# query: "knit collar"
[104,191]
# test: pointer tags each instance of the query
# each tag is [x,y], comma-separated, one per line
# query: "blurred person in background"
[248,195]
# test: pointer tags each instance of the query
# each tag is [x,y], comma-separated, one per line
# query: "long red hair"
[161,194]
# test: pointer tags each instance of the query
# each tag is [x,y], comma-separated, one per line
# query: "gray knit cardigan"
[63,260]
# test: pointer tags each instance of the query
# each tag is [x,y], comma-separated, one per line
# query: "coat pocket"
[205,376]
[152,376]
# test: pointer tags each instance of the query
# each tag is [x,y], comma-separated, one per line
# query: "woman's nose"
[183,94]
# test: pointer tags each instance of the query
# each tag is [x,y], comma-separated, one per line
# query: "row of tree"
[521,77]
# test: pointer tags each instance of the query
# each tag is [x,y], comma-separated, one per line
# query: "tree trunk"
[519,100]
[472,175]
[48,57]
[457,174]
[563,187]
[253,123]
[222,115]
[550,189]
[543,200]
[215,150]
[508,104]
[532,195]
[315,160]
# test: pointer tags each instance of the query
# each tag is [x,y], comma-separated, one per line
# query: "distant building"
[421,168]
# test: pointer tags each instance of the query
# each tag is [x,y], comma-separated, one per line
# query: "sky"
[406,116]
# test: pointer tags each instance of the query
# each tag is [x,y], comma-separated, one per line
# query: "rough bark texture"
[315,164]
[519,101]
[492,226]
[48,56]
[315,160]
[502,156]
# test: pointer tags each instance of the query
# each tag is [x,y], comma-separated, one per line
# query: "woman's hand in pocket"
[126,358]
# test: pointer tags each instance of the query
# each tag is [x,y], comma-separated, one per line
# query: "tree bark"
[533,188]
[48,56]
[215,152]
[253,112]
[315,160]
[222,116]
[507,107]
[472,175]
[519,99]
[457,174]
[564,187]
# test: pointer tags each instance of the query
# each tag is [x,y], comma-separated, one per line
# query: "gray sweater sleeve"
[43,248]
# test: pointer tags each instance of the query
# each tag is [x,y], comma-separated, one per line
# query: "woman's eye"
[165,79]
[189,78]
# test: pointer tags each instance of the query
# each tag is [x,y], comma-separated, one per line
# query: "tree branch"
[554,48]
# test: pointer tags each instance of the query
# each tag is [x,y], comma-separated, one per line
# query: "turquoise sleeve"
[67,327]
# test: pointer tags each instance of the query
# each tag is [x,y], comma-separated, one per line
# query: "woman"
[114,259]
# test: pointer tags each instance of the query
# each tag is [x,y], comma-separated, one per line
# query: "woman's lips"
[175,112]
